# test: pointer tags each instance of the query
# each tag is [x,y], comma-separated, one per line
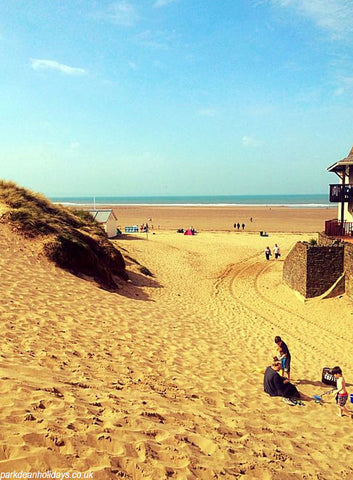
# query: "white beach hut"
[107,219]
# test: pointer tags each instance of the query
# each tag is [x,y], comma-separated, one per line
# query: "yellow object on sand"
[260,370]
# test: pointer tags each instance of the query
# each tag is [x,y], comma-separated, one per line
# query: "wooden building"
[342,193]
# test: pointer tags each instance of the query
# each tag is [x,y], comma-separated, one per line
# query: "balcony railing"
[341,193]
[335,228]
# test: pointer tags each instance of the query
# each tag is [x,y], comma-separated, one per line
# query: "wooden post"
[342,202]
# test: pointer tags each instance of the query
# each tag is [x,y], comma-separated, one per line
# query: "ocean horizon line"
[294,201]
[284,205]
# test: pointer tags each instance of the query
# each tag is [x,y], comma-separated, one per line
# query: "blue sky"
[158,97]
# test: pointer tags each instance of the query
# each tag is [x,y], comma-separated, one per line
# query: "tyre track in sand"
[255,312]
[259,291]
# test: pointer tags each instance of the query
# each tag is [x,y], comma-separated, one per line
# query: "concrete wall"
[348,268]
[294,268]
[325,240]
[313,269]
[324,267]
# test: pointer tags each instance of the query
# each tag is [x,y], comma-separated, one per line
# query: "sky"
[175,97]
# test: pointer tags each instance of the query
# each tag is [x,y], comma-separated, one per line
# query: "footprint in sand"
[162,436]
[205,445]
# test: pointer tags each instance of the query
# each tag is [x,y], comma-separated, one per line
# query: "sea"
[294,201]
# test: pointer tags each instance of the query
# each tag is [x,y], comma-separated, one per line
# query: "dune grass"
[74,240]
[34,214]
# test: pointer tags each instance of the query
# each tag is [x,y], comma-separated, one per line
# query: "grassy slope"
[72,239]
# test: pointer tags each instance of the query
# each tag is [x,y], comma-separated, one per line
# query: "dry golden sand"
[162,380]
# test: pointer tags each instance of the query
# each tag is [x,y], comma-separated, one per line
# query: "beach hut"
[342,193]
[107,219]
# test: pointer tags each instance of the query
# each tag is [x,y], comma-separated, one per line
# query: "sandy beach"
[164,378]
[216,218]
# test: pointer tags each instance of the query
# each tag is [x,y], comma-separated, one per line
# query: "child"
[282,359]
[341,392]
[284,355]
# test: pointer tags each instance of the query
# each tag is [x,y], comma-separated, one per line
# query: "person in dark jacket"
[277,386]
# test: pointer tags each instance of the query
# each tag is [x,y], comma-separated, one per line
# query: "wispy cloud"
[133,65]
[334,16]
[345,85]
[339,91]
[159,39]
[250,142]
[40,64]
[206,112]
[74,145]
[123,13]
[162,3]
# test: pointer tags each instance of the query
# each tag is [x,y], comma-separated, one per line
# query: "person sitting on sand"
[341,392]
[277,386]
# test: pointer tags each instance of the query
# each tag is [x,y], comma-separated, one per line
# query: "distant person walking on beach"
[243,226]
[238,225]
[268,253]
[285,355]
[276,251]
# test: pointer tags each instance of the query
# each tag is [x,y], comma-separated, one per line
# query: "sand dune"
[162,380]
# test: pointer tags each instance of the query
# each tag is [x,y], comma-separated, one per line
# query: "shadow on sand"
[133,288]
[132,236]
[318,384]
